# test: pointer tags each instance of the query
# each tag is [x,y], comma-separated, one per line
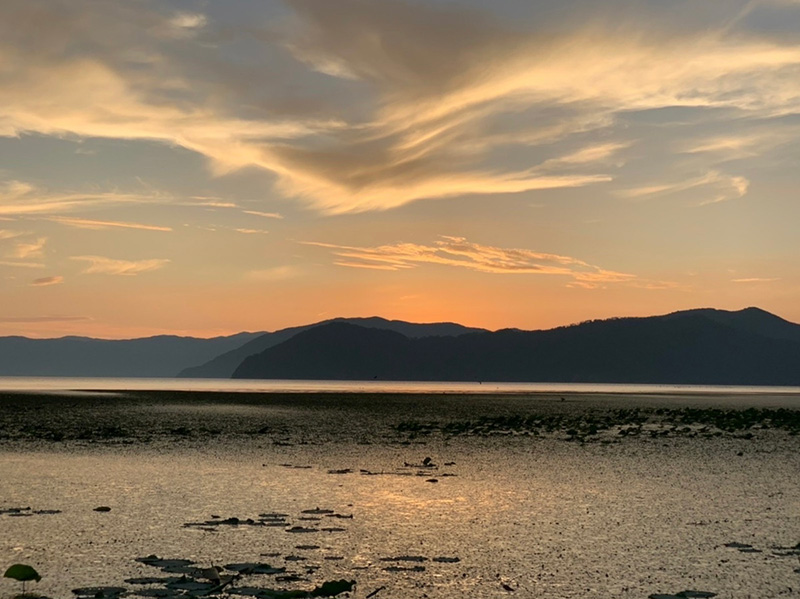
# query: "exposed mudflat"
[135,417]
[551,495]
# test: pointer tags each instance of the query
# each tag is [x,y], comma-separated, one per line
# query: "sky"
[208,167]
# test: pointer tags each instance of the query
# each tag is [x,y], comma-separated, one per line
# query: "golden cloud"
[433,85]
[458,252]
[110,266]
[85,223]
[755,280]
[716,186]
[274,215]
[47,281]
[42,319]
[32,249]
[14,264]
[22,198]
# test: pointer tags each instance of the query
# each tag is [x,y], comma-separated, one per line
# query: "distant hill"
[224,365]
[160,356]
[706,346]
[754,320]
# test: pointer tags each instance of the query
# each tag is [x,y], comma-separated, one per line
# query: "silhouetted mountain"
[754,320]
[224,365]
[749,347]
[160,356]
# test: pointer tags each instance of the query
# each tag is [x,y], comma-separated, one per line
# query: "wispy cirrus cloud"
[19,198]
[47,281]
[111,266]
[42,319]
[275,215]
[728,147]
[714,187]
[6,234]
[395,101]
[251,231]
[24,250]
[22,247]
[276,273]
[458,252]
[17,264]
[756,280]
[85,223]
[24,200]
[593,154]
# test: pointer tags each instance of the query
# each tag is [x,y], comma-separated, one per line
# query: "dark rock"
[405,558]
[331,588]
[301,529]
[254,568]
[100,592]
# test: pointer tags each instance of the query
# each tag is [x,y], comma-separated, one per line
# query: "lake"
[66,384]
[433,491]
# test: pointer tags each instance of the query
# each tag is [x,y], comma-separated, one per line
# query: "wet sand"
[135,417]
[550,495]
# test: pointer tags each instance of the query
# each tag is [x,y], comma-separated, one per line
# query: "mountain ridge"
[754,345]
[702,346]
[157,356]
[224,365]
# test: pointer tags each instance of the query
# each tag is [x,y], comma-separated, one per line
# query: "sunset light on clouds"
[203,168]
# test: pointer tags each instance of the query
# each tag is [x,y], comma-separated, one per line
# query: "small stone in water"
[301,529]
[405,558]
[191,585]
[150,580]
[447,560]
[404,569]
[99,592]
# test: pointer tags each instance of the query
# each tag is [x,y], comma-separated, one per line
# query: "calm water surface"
[65,384]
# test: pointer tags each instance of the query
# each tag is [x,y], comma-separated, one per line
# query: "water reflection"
[554,520]
[551,514]
[66,385]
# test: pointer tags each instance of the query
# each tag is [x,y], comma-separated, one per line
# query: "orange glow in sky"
[206,168]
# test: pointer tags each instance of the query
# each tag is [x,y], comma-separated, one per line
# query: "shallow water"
[74,384]
[543,516]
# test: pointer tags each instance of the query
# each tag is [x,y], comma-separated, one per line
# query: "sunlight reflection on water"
[70,385]
[553,520]
[548,517]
